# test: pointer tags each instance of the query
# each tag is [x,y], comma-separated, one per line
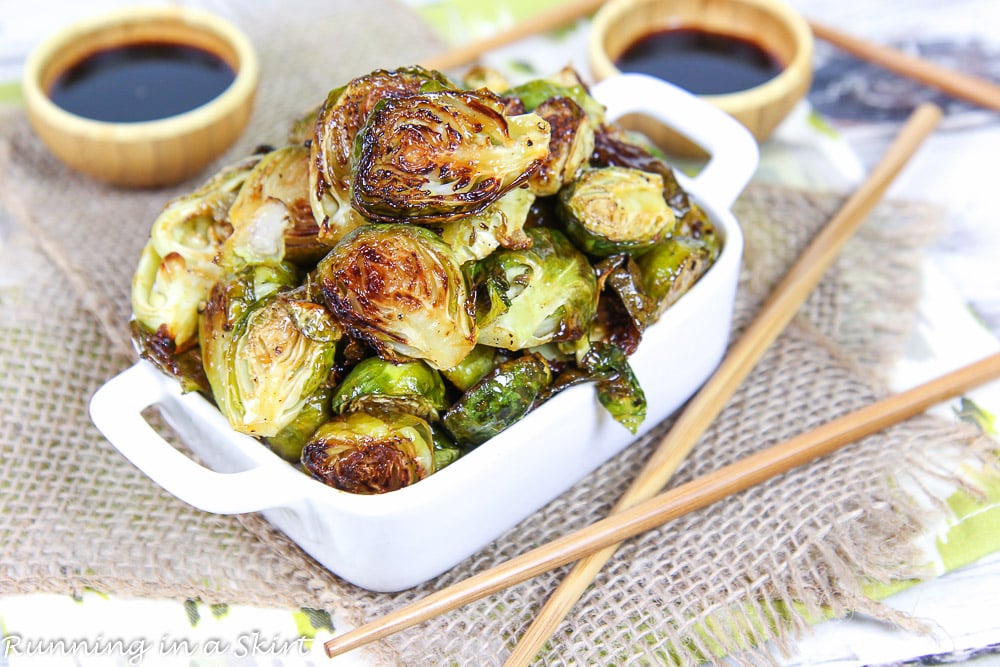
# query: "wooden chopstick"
[970,88]
[741,358]
[676,502]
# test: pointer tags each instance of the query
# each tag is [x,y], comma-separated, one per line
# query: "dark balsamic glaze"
[704,63]
[141,82]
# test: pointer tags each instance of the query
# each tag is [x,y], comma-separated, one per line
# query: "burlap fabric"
[759,566]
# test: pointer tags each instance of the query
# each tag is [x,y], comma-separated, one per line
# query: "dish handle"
[116,409]
[733,152]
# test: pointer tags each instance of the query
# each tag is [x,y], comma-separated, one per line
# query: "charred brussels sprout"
[398,288]
[375,384]
[546,293]
[446,451]
[177,267]
[271,217]
[498,400]
[570,145]
[371,453]
[501,224]
[264,356]
[565,83]
[437,156]
[337,124]
[614,209]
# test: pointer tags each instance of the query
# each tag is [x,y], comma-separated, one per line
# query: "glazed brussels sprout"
[337,125]
[615,209]
[398,288]
[271,217]
[376,384]
[437,156]
[264,356]
[570,145]
[531,297]
[289,441]
[618,389]
[446,451]
[497,401]
[473,367]
[672,267]
[501,224]
[177,267]
[371,453]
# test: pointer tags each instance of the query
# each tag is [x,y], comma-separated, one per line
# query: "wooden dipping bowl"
[147,153]
[769,23]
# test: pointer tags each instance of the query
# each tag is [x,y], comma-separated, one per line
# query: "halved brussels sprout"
[497,401]
[177,266]
[264,356]
[271,217]
[437,156]
[546,293]
[289,441]
[398,288]
[615,209]
[376,384]
[614,147]
[501,224]
[371,453]
[337,124]
[570,146]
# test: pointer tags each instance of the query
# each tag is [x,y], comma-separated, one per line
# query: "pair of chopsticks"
[640,509]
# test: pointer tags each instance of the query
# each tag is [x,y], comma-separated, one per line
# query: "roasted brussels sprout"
[481,76]
[565,83]
[264,356]
[376,384]
[570,145]
[546,293]
[289,441]
[497,401]
[177,267]
[473,367]
[614,209]
[437,156]
[271,217]
[371,453]
[672,266]
[337,124]
[618,389]
[446,451]
[398,288]
[499,225]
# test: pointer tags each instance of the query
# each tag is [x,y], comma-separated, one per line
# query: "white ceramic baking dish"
[397,540]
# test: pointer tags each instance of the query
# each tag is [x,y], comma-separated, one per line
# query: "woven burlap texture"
[75,514]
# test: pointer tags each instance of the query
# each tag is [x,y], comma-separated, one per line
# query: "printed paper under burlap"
[75,514]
